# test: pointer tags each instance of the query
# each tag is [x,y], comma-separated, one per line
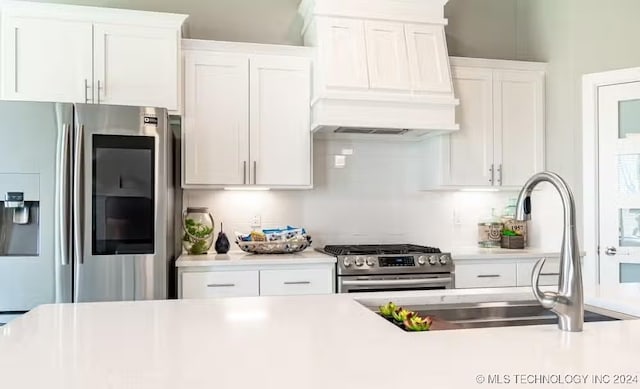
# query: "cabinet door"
[486,275]
[136,65]
[387,56]
[280,135]
[198,285]
[469,156]
[46,60]
[427,51]
[216,127]
[296,282]
[344,54]
[519,125]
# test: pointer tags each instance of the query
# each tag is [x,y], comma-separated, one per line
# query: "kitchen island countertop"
[329,341]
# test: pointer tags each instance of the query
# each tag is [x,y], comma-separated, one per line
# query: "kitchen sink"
[496,314]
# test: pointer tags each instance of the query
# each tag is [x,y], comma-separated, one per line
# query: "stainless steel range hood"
[381,68]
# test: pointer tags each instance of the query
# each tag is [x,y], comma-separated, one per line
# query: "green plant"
[198,235]
[508,232]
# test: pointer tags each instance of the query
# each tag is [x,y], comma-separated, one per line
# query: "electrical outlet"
[256,221]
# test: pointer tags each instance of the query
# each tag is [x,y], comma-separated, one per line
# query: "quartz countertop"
[478,253]
[235,258]
[314,342]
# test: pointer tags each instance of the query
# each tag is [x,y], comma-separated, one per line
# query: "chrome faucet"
[568,302]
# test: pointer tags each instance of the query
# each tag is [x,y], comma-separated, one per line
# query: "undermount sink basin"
[494,314]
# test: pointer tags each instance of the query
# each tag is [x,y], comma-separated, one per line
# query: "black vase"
[222,243]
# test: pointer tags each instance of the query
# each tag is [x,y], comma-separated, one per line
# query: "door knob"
[611,250]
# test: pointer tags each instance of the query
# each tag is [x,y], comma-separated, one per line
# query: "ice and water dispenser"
[19,214]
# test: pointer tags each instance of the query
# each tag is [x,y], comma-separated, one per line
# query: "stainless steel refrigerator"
[87,203]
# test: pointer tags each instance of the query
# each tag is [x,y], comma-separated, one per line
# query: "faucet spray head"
[523,208]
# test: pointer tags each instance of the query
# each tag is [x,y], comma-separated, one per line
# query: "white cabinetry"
[503,272]
[246,116]
[501,115]
[387,55]
[53,52]
[136,65]
[220,284]
[296,282]
[216,119]
[245,280]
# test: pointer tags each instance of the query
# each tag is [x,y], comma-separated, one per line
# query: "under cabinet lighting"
[248,188]
[479,190]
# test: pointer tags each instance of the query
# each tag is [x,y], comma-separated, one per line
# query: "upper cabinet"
[76,54]
[246,119]
[500,143]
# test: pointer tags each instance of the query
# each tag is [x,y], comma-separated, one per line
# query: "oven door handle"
[405,282]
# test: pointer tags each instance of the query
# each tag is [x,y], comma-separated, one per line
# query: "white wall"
[375,198]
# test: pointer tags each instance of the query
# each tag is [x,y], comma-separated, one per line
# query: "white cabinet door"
[280,136]
[387,55]
[470,150]
[485,275]
[197,285]
[46,60]
[136,65]
[344,55]
[519,125]
[427,52]
[296,282]
[216,127]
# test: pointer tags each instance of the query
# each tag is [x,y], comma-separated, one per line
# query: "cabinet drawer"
[296,282]
[219,284]
[485,275]
[549,275]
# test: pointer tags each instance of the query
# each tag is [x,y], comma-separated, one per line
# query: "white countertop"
[235,258]
[476,253]
[313,342]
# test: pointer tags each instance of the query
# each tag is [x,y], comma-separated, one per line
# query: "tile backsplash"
[375,198]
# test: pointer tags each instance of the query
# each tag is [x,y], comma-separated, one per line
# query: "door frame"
[591,84]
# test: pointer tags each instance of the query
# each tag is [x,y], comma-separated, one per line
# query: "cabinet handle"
[500,174]
[99,89]
[244,172]
[488,275]
[297,282]
[549,274]
[86,91]
[255,172]
[220,285]
[492,174]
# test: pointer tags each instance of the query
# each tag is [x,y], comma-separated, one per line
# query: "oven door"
[355,284]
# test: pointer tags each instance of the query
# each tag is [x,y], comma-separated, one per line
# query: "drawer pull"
[488,275]
[549,274]
[220,285]
[297,282]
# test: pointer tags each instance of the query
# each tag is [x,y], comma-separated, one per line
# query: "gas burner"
[379,249]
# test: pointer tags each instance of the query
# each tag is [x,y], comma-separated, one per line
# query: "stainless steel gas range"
[376,268]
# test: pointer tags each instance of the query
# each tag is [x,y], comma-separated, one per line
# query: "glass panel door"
[123,195]
[619,182]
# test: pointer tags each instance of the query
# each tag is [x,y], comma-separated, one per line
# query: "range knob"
[359,261]
[433,259]
[346,262]
[443,259]
[422,260]
[371,261]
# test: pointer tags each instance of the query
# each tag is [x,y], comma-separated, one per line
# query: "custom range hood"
[381,67]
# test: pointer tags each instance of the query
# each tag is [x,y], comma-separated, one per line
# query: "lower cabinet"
[220,284]
[295,282]
[276,280]
[503,273]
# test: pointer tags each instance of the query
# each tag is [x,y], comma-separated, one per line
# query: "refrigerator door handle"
[77,190]
[62,207]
